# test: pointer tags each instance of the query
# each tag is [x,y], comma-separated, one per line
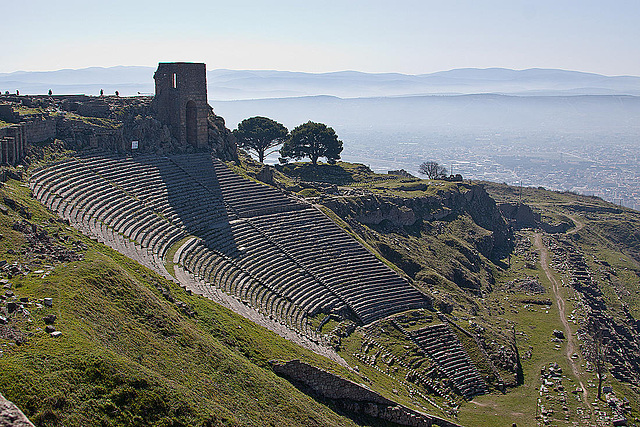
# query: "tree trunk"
[600,372]
[261,156]
[600,386]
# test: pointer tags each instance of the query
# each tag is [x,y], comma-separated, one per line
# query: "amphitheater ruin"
[282,256]
[268,255]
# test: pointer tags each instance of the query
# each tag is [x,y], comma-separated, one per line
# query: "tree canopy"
[432,169]
[259,134]
[312,140]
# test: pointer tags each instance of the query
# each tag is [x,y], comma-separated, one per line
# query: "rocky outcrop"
[265,174]
[79,133]
[112,124]
[221,141]
[520,215]
[483,210]
[385,210]
[11,415]
[471,199]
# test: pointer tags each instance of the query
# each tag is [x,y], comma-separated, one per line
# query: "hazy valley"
[558,129]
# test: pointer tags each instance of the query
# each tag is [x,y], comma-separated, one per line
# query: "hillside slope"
[511,315]
[527,279]
[134,348]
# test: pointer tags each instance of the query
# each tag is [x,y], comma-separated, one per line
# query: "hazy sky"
[406,36]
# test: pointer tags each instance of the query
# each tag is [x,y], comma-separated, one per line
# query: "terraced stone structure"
[442,346]
[278,254]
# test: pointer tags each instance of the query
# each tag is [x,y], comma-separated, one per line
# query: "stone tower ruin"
[181,101]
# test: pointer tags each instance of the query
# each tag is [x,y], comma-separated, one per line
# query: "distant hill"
[608,113]
[247,84]
[127,80]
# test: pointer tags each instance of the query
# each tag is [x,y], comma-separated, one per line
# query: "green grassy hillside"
[505,294]
[135,349]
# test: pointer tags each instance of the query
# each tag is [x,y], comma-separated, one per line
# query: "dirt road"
[578,225]
[555,286]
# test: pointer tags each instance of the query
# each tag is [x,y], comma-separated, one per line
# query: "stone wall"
[22,130]
[39,128]
[8,115]
[25,129]
[111,123]
[353,397]
[12,144]
[79,134]
[94,107]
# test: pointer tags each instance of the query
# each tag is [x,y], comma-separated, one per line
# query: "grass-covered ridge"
[129,355]
[93,121]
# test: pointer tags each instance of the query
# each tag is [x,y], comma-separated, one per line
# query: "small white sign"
[134,145]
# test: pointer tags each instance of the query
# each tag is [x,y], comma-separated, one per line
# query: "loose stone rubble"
[622,334]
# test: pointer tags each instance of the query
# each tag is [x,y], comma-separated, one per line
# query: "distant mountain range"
[588,114]
[260,84]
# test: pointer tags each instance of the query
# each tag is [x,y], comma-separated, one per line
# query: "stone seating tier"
[286,258]
[444,348]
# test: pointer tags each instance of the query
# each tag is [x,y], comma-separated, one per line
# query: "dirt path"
[555,286]
[142,256]
[578,225]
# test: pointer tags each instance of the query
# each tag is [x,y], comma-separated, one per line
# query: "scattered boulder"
[167,295]
[9,332]
[11,307]
[528,285]
[42,244]
[265,174]
[49,319]
[620,421]
[11,415]
[48,302]
[558,334]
